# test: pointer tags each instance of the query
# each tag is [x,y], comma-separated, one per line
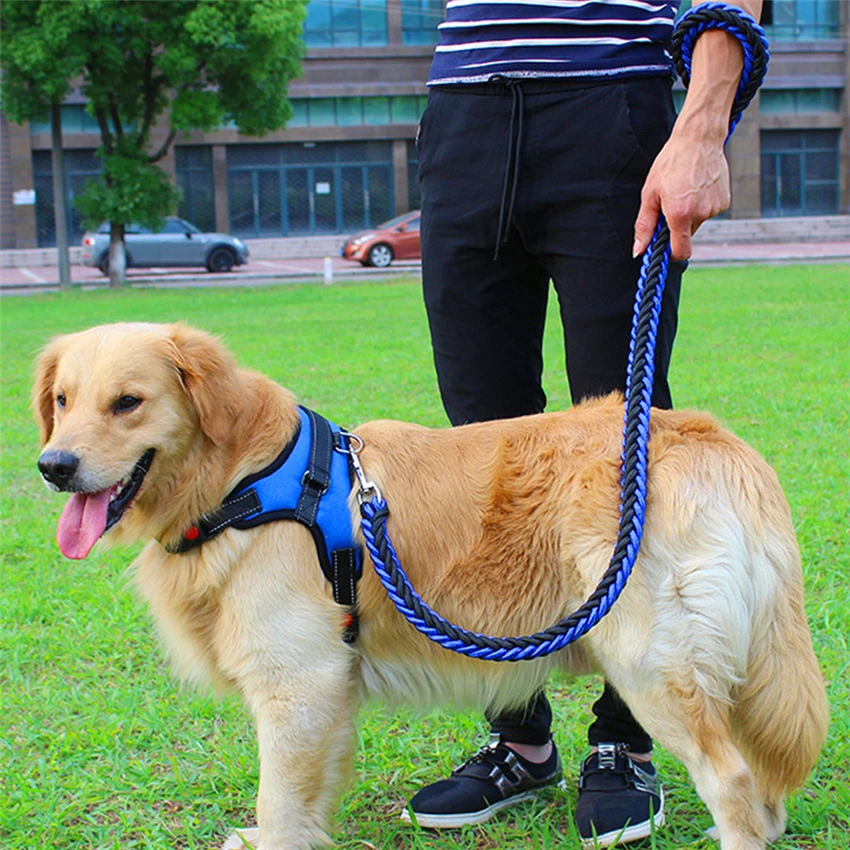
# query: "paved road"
[20,280]
[257,272]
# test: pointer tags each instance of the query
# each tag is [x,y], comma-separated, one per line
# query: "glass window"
[419,21]
[349,111]
[376,110]
[792,101]
[404,110]
[373,23]
[310,152]
[75,119]
[323,112]
[777,102]
[81,167]
[42,162]
[799,172]
[316,187]
[192,156]
[356,111]
[318,31]
[801,18]
[300,113]
[247,155]
[173,225]
[346,23]
[193,166]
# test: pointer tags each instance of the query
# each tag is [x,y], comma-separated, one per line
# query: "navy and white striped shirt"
[552,38]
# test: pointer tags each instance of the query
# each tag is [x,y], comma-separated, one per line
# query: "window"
[315,187]
[799,172]
[74,119]
[376,110]
[793,101]
[801,18]
[81,166]
[419,21]
[193,167]
[357,111]
[173,225]
[346,23]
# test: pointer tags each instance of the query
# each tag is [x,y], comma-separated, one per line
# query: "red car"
[396,239]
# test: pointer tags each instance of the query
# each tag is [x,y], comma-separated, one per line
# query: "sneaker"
[619,799]
[494,778]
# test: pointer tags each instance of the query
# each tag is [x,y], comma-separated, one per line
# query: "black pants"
[553,173]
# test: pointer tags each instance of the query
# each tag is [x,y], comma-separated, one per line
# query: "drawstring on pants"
[506,209]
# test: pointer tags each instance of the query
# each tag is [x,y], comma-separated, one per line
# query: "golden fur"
[504,527]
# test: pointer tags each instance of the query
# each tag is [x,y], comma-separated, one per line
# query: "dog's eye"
[126,403]
[60,400]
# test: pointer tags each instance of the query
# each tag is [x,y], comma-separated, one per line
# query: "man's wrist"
[701,124]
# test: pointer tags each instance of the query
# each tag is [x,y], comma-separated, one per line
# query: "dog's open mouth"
[88,515]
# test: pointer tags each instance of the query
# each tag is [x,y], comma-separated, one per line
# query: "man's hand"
[689,180]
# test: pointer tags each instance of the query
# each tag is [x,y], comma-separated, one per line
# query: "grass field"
[101,748]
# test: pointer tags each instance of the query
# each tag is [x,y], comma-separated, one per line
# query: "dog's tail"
[780,715]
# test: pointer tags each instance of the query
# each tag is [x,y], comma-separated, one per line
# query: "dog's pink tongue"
[82,522]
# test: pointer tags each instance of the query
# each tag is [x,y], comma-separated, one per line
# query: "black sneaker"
[619,800]
[494,778]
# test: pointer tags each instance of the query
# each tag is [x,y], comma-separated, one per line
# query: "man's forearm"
[689,180]
[715,73]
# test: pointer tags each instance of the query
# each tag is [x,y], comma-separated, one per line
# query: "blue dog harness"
[308,482]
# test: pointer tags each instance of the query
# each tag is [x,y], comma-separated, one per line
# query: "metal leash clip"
[352,445]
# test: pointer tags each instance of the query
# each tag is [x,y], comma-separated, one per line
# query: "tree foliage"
[182,64]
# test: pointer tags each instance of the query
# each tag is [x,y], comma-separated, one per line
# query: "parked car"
[178,243]
[396,239]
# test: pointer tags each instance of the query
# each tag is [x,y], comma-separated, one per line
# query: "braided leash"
[639,383]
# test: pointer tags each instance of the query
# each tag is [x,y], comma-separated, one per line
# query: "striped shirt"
[552,38]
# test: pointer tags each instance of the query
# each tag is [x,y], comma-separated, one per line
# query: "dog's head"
[120,407]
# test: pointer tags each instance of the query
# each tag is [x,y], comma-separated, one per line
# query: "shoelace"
[627,771]
[486,755]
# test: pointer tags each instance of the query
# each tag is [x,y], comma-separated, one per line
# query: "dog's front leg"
[306,736]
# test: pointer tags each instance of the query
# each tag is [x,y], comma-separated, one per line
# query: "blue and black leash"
[639,383]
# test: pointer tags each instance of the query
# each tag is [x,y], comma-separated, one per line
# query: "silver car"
[178,243]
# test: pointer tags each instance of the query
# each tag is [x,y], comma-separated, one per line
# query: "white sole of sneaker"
[627,835]
[466,818]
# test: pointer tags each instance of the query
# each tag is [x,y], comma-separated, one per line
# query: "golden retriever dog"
[503,527]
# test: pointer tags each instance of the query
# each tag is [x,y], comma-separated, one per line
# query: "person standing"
[548,149]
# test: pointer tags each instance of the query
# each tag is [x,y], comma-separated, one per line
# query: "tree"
[209,62]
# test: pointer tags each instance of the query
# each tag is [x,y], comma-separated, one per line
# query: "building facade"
[347,159]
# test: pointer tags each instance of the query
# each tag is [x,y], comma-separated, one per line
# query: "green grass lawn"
[101,748]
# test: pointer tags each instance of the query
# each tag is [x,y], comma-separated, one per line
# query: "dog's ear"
[42,391]
[209,376]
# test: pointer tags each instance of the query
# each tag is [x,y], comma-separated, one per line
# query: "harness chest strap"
[308,482]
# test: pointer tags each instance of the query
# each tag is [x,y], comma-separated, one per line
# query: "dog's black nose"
[58,467]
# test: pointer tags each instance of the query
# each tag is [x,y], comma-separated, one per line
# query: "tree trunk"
[117,256]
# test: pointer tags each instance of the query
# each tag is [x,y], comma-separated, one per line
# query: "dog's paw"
[242,839]
[713,833]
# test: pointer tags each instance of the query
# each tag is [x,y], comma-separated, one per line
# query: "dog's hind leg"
[695,728]
[775,818]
